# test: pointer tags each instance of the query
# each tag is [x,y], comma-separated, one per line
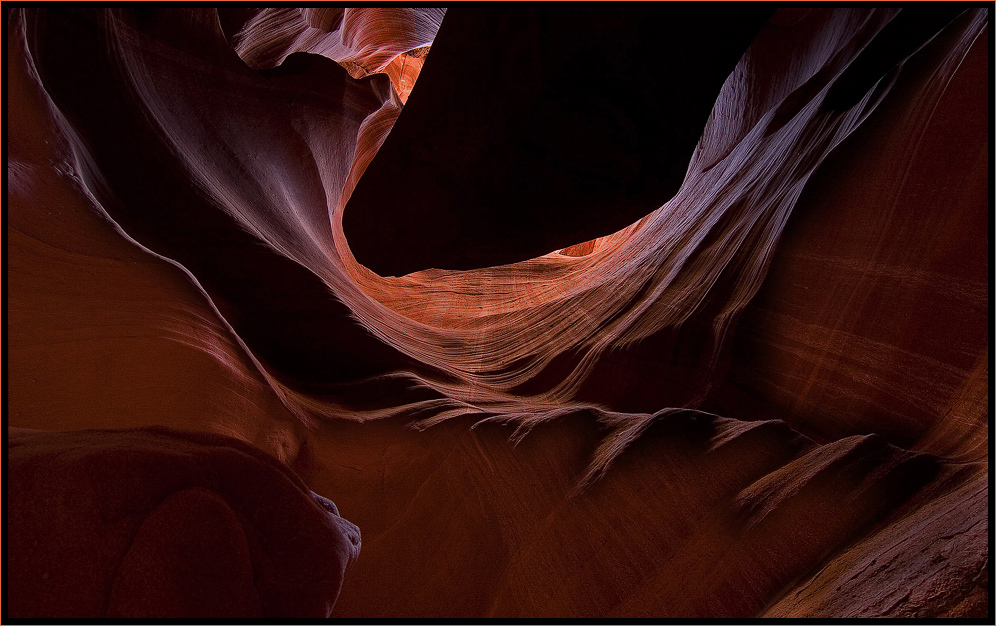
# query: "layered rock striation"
[765,394]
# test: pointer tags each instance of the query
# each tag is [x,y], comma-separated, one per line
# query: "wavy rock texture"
[767,397]
[364,41]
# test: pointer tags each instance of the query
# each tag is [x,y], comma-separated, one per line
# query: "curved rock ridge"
[523,339]
[536,439]
[163,523]
[364,41]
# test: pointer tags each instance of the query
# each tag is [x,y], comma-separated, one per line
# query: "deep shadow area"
[533,129]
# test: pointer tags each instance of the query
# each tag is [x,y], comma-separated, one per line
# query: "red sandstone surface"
[768,396]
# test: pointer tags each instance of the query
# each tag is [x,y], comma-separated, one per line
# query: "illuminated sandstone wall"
[752,400]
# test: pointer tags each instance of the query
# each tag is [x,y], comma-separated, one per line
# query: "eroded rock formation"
[766,397]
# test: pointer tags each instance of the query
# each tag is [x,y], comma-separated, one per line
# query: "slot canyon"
[498,312]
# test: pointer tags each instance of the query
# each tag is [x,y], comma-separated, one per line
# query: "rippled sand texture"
[767,397]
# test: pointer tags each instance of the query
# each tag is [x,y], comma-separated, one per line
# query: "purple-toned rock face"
[644,312]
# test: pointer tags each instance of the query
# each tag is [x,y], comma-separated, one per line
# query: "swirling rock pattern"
[364,41]
[768,396]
